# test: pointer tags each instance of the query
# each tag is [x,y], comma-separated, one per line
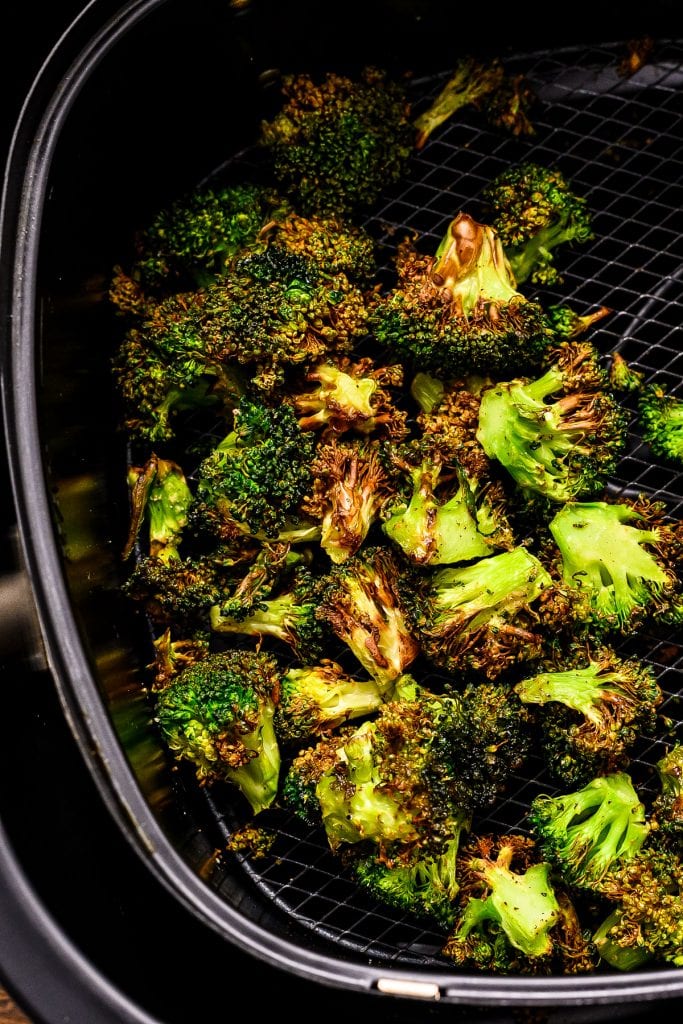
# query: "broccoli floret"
[350,489]
[647,922]
[514,917]
[504,100]
[585,832]
[160,496]
[318,698]
[337,141]
[592,713]
[441,516]
[453,424]
[534,210]
[218,715]
[362,605]
[568,324]
[172,656]
[618,563]
[667,807]
[559,435]
[483,617]
[256,478]
[623,376]
[331,244]
[660,416]
[459,312]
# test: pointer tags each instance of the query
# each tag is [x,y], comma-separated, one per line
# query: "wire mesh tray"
[619,140]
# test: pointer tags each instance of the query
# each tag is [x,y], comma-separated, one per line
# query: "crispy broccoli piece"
[218,715]
[503,99]
[623,376]
[453,423]
[318,698]
[289,615]
[569,325]
[593,709]
[442,516]
[514,916]
[255,479]
[585,832]
[351,396]
[160,496]
[333,245]
[618,564]
[270,568]
[172,656]
[459,312]
[337,142]
[559,435]
[647,922]
[362,605]
[660,416]
[666,811]
[533,210]
[349,490]
[483,617]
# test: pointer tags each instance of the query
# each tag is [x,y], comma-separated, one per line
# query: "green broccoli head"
[623,376]
[160,496]
[315,699]
[534,210]
[585,832]
[569,325]
[459,312]
[667,806]
[218,715]
[593,709]
[337,142]
[660,416]
[331,244]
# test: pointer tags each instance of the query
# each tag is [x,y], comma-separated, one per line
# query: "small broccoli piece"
[459,312]
[638,53]
[559,435]
[667,807]
[218,715]
[514,917]
[252,840]
[534,210]
[337,142]
[584,833]
[255,479]
[482,617]
[592,712]
[348,396]
[504,100]
[172,656]
[442,516]
[161,496]
[349,490]
[623,376]
[618,563]
[660,416]
[362,605]
[647,922]
[289,615]
[454,421]
[318,698]
[333,245]
[568,324]
[271,567]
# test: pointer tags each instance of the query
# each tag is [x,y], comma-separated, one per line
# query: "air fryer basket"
[618,138]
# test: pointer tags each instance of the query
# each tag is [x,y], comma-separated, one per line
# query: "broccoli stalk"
[318,698]
[660,416]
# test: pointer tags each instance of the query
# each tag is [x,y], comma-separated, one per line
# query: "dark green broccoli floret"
[160,496]
[618,564]
[584,833]
[460,312]
[256,478]
[318,698]
[514,917]
[559,435]
[660,416]
[337,142]
[568,324]
[172,656]
[534,210]
[482,617]
[453,424]
[218,714]
[362,605]
[623,376]
[667,807]
[592,711]
[331,244]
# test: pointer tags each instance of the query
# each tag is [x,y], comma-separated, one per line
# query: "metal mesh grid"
[620,143]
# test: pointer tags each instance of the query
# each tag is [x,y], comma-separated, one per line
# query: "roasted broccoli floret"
[459,312]
[660,416]
[585,832]
[337,142]
[533,210]
[504,100]
[333,245]
[483,617]
[559,435]
[568,324]
[618,564]
[623,376]
[440,515]
[160,496]
[592,711]
[363,607]
[452,420]
[172,656]
[666,811]
[514,917]
[255,479]
[318,698]
[218,715]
